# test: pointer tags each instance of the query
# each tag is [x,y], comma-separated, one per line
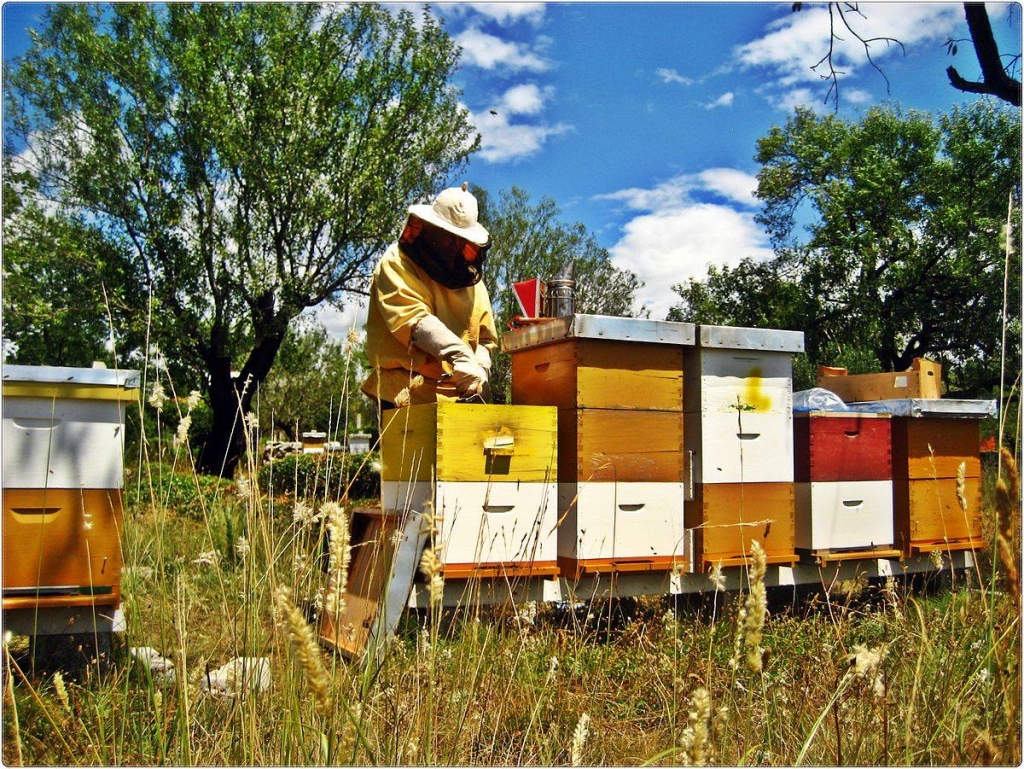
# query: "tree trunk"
[230,400]
[226,442]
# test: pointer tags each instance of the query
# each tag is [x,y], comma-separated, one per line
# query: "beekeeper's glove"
[432,336]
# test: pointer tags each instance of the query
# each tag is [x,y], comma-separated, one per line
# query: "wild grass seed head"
[305,647]
[579,738]
[694,742]
[339,556]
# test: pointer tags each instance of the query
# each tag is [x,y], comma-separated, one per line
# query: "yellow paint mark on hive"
[754,396]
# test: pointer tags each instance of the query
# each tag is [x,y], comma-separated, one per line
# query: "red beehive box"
[842,446]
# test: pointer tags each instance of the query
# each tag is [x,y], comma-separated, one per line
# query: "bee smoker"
[560,299]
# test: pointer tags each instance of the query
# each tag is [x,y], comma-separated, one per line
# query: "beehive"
[618,384]
[488,472]
[843,471]
[63,434]
[928,452]
[738,429]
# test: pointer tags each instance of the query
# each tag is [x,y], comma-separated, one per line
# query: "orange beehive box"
[928,515]
[62,547]
[728,517]
[935,447]
[922,380]
[594,361]
[927,455]
[607,445]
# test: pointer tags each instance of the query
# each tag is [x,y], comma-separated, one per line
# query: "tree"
[887,240]
[997,69]
[531,241]
[253,157]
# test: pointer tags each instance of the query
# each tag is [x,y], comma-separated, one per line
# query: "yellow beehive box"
[470,442]
[922,380]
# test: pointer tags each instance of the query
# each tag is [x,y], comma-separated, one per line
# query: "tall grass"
[891,673]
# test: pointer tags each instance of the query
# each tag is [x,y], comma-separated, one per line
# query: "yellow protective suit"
[401,294]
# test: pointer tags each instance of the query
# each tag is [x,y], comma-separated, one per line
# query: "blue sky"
[640,119]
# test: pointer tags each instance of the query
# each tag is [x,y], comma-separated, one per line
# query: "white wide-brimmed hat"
[454,210]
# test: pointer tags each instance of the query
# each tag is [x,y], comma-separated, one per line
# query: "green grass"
[509,685]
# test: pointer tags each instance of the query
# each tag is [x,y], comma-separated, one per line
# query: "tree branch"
[995,81]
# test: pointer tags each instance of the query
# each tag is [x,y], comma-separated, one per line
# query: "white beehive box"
[739,404]
[63,427]
[843,515]
[608,527]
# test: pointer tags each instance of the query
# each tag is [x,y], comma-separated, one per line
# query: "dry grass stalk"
[1007,497]
[304,645]
[750,620]
[11,708]
[430,562]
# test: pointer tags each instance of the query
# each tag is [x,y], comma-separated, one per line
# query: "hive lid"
[600,327]
[740,338]
[930,407]
[69,382]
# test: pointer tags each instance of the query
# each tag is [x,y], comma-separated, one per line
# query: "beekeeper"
[429,327]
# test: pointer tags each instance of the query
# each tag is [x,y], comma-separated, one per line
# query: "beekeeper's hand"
[435,338]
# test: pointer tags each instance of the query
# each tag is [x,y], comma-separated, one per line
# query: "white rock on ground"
[161,668]
[240,675]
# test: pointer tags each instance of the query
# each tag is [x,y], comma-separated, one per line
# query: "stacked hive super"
[63,440]
[488,472]
[843,485]
[739,433]
[618,386]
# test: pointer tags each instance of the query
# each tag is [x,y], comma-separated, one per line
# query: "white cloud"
[725,100]
[339,321]
[527,99]
[480,49]
[501,140]
[794,43]
[676,237]
[736,186]
[671,76]
[507,13]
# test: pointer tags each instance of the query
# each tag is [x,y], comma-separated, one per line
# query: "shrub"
[324,476]
[184,493]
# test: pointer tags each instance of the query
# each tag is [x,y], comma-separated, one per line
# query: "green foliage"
[313,377]
[66,287]
[322,476]
[185,493]
[256,157]
[531,241]
[889,241]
